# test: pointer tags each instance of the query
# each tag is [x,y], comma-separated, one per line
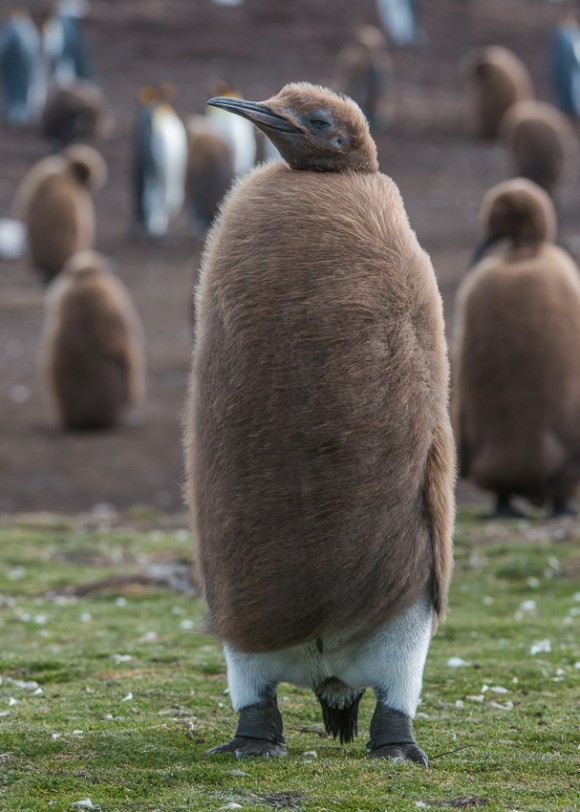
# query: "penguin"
[159,162]
[565,64]
[318,442]
[238,132]
[210,171]
[399,19]
[92,346]
[496,79]
[76,111]
[23,70]
[64,43]
[364,72]
[516,394]
[541,142]
[54,201]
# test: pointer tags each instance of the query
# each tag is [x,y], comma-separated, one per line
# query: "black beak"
[482,247]
[258,114]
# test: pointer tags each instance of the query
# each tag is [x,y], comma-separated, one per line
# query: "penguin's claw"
[397,753]
[242,747]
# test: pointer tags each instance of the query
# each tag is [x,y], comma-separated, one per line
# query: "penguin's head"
[312,127]
[517,210]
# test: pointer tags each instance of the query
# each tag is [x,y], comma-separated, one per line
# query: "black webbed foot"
[242,747]
[392,737]
[404,752]
[259,732]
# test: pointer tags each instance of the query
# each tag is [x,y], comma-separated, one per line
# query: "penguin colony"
[318,431]
[516,340]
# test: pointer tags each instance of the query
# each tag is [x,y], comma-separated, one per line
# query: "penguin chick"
[77,111]
[496,79]
[364,71]
[54,201]
[516,398]
[540,140]
[159,163]
[92,346]
[210,171]
[320,456]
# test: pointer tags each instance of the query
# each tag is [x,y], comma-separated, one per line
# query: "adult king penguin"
[320,455]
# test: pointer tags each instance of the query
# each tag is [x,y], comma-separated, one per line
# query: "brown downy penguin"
[516,397]
[496,79]
[92,346]
[320,454]
[210,171]
[364,71]
[541,142]
[76,111]
[54,201]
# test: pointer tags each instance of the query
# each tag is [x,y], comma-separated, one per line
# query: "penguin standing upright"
[23,70]
[319,451]
[64,43]
[238,132]
[565,64]
[92,346]
[54,200]
[160,161]
[516,394]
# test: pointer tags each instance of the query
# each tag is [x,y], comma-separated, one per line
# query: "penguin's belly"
[310,451]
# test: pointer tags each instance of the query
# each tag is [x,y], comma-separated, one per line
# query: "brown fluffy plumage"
[541,142]
[320,455]
[496,79]
[92,346]
[210,170]
[364,71]
[517,366]
[77,111]
[54,201]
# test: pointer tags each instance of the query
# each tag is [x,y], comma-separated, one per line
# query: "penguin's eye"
[319,123]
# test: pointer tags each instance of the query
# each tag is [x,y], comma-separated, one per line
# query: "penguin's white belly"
[165,189]
[239,134]
[389,661]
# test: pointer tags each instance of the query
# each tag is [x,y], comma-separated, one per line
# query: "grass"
[113,694]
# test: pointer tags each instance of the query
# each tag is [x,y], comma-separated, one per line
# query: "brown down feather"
[516,394]
[92,359]
[56,206]
[496,79]
[541,142]
[319,451]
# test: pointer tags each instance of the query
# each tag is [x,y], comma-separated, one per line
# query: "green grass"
[117,696]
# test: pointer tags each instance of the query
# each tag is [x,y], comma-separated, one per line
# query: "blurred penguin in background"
[541,142]
[76,111]
[364,71]
[496,78]
[64,42]
[92,355]
[516,337]
[399,19]
[238,132]
[159,162]
[565,64]
[54,201]
[23,71]
[210,171]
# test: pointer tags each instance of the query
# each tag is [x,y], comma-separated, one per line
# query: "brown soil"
[261,45]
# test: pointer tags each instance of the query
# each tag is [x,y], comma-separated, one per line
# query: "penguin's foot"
[505,510]
[243,747]
[259,731]
[562,507]
[405,751]
[392,737]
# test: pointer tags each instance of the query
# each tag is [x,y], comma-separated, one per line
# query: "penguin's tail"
[339,705]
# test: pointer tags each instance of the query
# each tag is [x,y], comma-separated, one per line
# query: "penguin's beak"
[482,247]
[259,114]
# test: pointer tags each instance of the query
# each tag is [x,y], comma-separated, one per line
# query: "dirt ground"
[260,46]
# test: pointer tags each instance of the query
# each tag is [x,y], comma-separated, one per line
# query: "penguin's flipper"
[259,732]
[392,737]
